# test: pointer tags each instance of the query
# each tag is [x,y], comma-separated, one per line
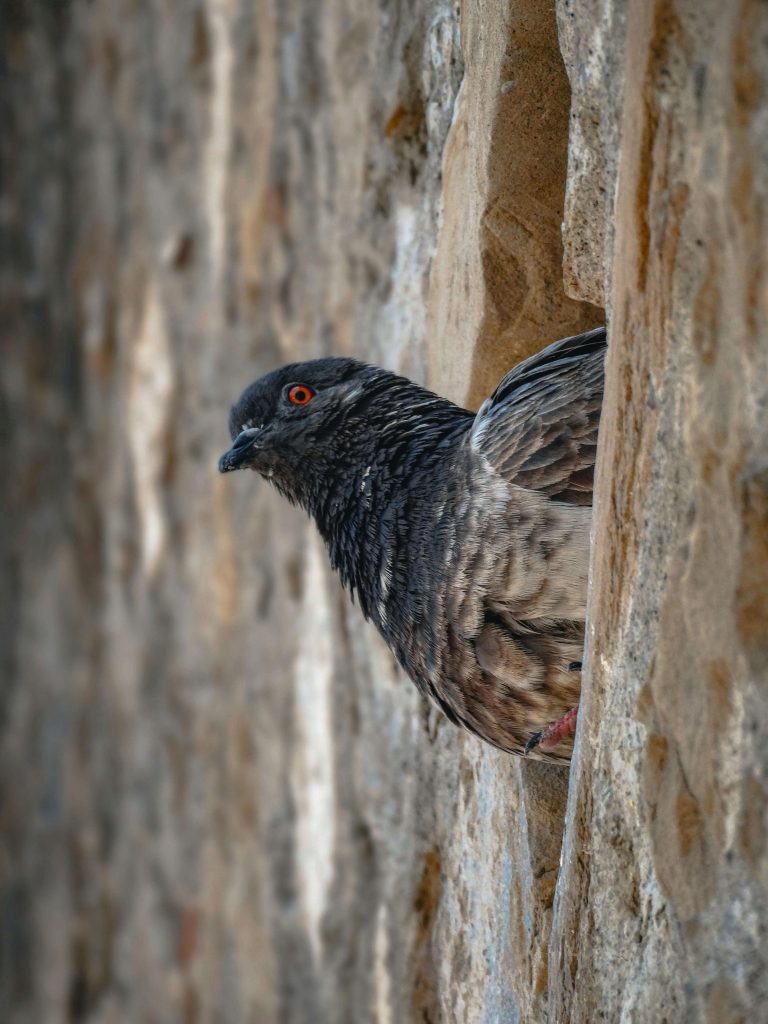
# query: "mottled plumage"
[465,537]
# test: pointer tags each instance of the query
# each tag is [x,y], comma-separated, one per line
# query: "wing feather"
[539,427]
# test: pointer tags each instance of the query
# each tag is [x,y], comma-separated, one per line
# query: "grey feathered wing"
[538,429]
[538,433]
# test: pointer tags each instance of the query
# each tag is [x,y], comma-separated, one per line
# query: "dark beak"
[237,454]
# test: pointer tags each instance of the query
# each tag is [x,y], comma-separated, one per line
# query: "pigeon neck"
[388,477]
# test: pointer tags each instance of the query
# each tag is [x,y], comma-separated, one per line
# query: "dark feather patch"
[539,428]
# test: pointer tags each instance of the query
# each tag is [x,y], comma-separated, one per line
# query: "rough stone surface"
[221,801]
[592,39]
[496,283]
[662,905]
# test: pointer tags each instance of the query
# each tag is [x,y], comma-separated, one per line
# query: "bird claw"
[547,739]
[533,742]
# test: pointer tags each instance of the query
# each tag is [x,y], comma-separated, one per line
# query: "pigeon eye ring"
[300,394]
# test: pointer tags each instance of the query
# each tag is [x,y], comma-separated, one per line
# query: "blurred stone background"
[221,801]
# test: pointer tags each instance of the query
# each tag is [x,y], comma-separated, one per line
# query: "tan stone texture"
[662,906]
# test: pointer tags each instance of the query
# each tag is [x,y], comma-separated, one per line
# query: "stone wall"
[221,801]
[662,905]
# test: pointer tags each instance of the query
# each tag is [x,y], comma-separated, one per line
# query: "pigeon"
[464,537]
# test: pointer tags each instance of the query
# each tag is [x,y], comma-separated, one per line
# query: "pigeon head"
[339,438]
[293,425]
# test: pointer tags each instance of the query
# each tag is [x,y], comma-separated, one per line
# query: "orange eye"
[300,394]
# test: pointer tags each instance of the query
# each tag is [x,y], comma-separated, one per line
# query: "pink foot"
[549,738]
